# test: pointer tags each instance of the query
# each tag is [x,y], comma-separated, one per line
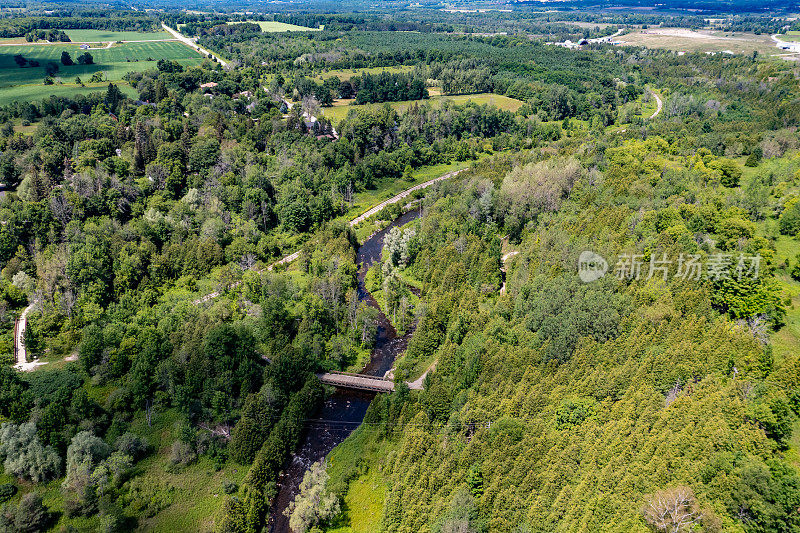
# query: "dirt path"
[418,384]
[608,38]
[188,42]
[505,258]
[19,342]
[393,200]
[396,198]
[659,103]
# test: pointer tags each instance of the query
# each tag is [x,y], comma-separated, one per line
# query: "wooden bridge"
[346,380]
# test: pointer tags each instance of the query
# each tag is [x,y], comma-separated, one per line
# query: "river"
[344,410]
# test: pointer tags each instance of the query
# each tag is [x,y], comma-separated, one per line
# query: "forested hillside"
[579,272]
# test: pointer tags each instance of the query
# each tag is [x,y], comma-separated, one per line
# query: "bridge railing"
[357,381]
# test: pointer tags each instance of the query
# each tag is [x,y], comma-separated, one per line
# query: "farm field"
[271,26]
[585,25]
[338,112]
[790,36]
[12,40]
[21,83]
[33,93]
[97,36]
[684,40]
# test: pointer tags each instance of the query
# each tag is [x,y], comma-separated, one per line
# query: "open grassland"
[585,25]
[363,493]
[97,36]
[12,40]
[26,83]
[270,26]
[790,36]
[337,113]
[684,40]
[347,73]
[32,93]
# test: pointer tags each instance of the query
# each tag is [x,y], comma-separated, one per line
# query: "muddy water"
[343,412]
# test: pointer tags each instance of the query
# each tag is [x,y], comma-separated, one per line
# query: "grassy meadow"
[790,36]
[339,111]
[347,73]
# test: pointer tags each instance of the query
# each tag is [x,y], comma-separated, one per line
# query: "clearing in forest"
[686,40]
[339,111]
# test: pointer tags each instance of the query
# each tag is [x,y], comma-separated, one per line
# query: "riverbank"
[344,411]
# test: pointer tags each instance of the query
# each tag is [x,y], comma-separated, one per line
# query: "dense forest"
[80,19]
[173,357]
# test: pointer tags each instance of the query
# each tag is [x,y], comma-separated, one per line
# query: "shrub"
[7,490]
[144,497]
[182,453]
[133,445]
[789,221]
[229,487]
[25,456]
[31,514]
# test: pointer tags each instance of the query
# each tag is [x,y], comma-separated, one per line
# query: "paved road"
[188,42]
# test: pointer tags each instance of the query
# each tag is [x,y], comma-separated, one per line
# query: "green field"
[338,112]
[33,93]
[347,73]
[790,36]
[27,83]
[97,36]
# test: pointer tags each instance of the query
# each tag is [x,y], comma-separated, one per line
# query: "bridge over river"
[346,380]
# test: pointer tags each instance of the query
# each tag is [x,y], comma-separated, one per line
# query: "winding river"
[344,410]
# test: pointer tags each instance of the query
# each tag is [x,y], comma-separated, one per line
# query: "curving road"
[188,42]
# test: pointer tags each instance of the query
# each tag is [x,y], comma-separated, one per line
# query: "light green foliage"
[536,188]
[400,246]
[729,170]
[147,498]
[24,454]
[315,503]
